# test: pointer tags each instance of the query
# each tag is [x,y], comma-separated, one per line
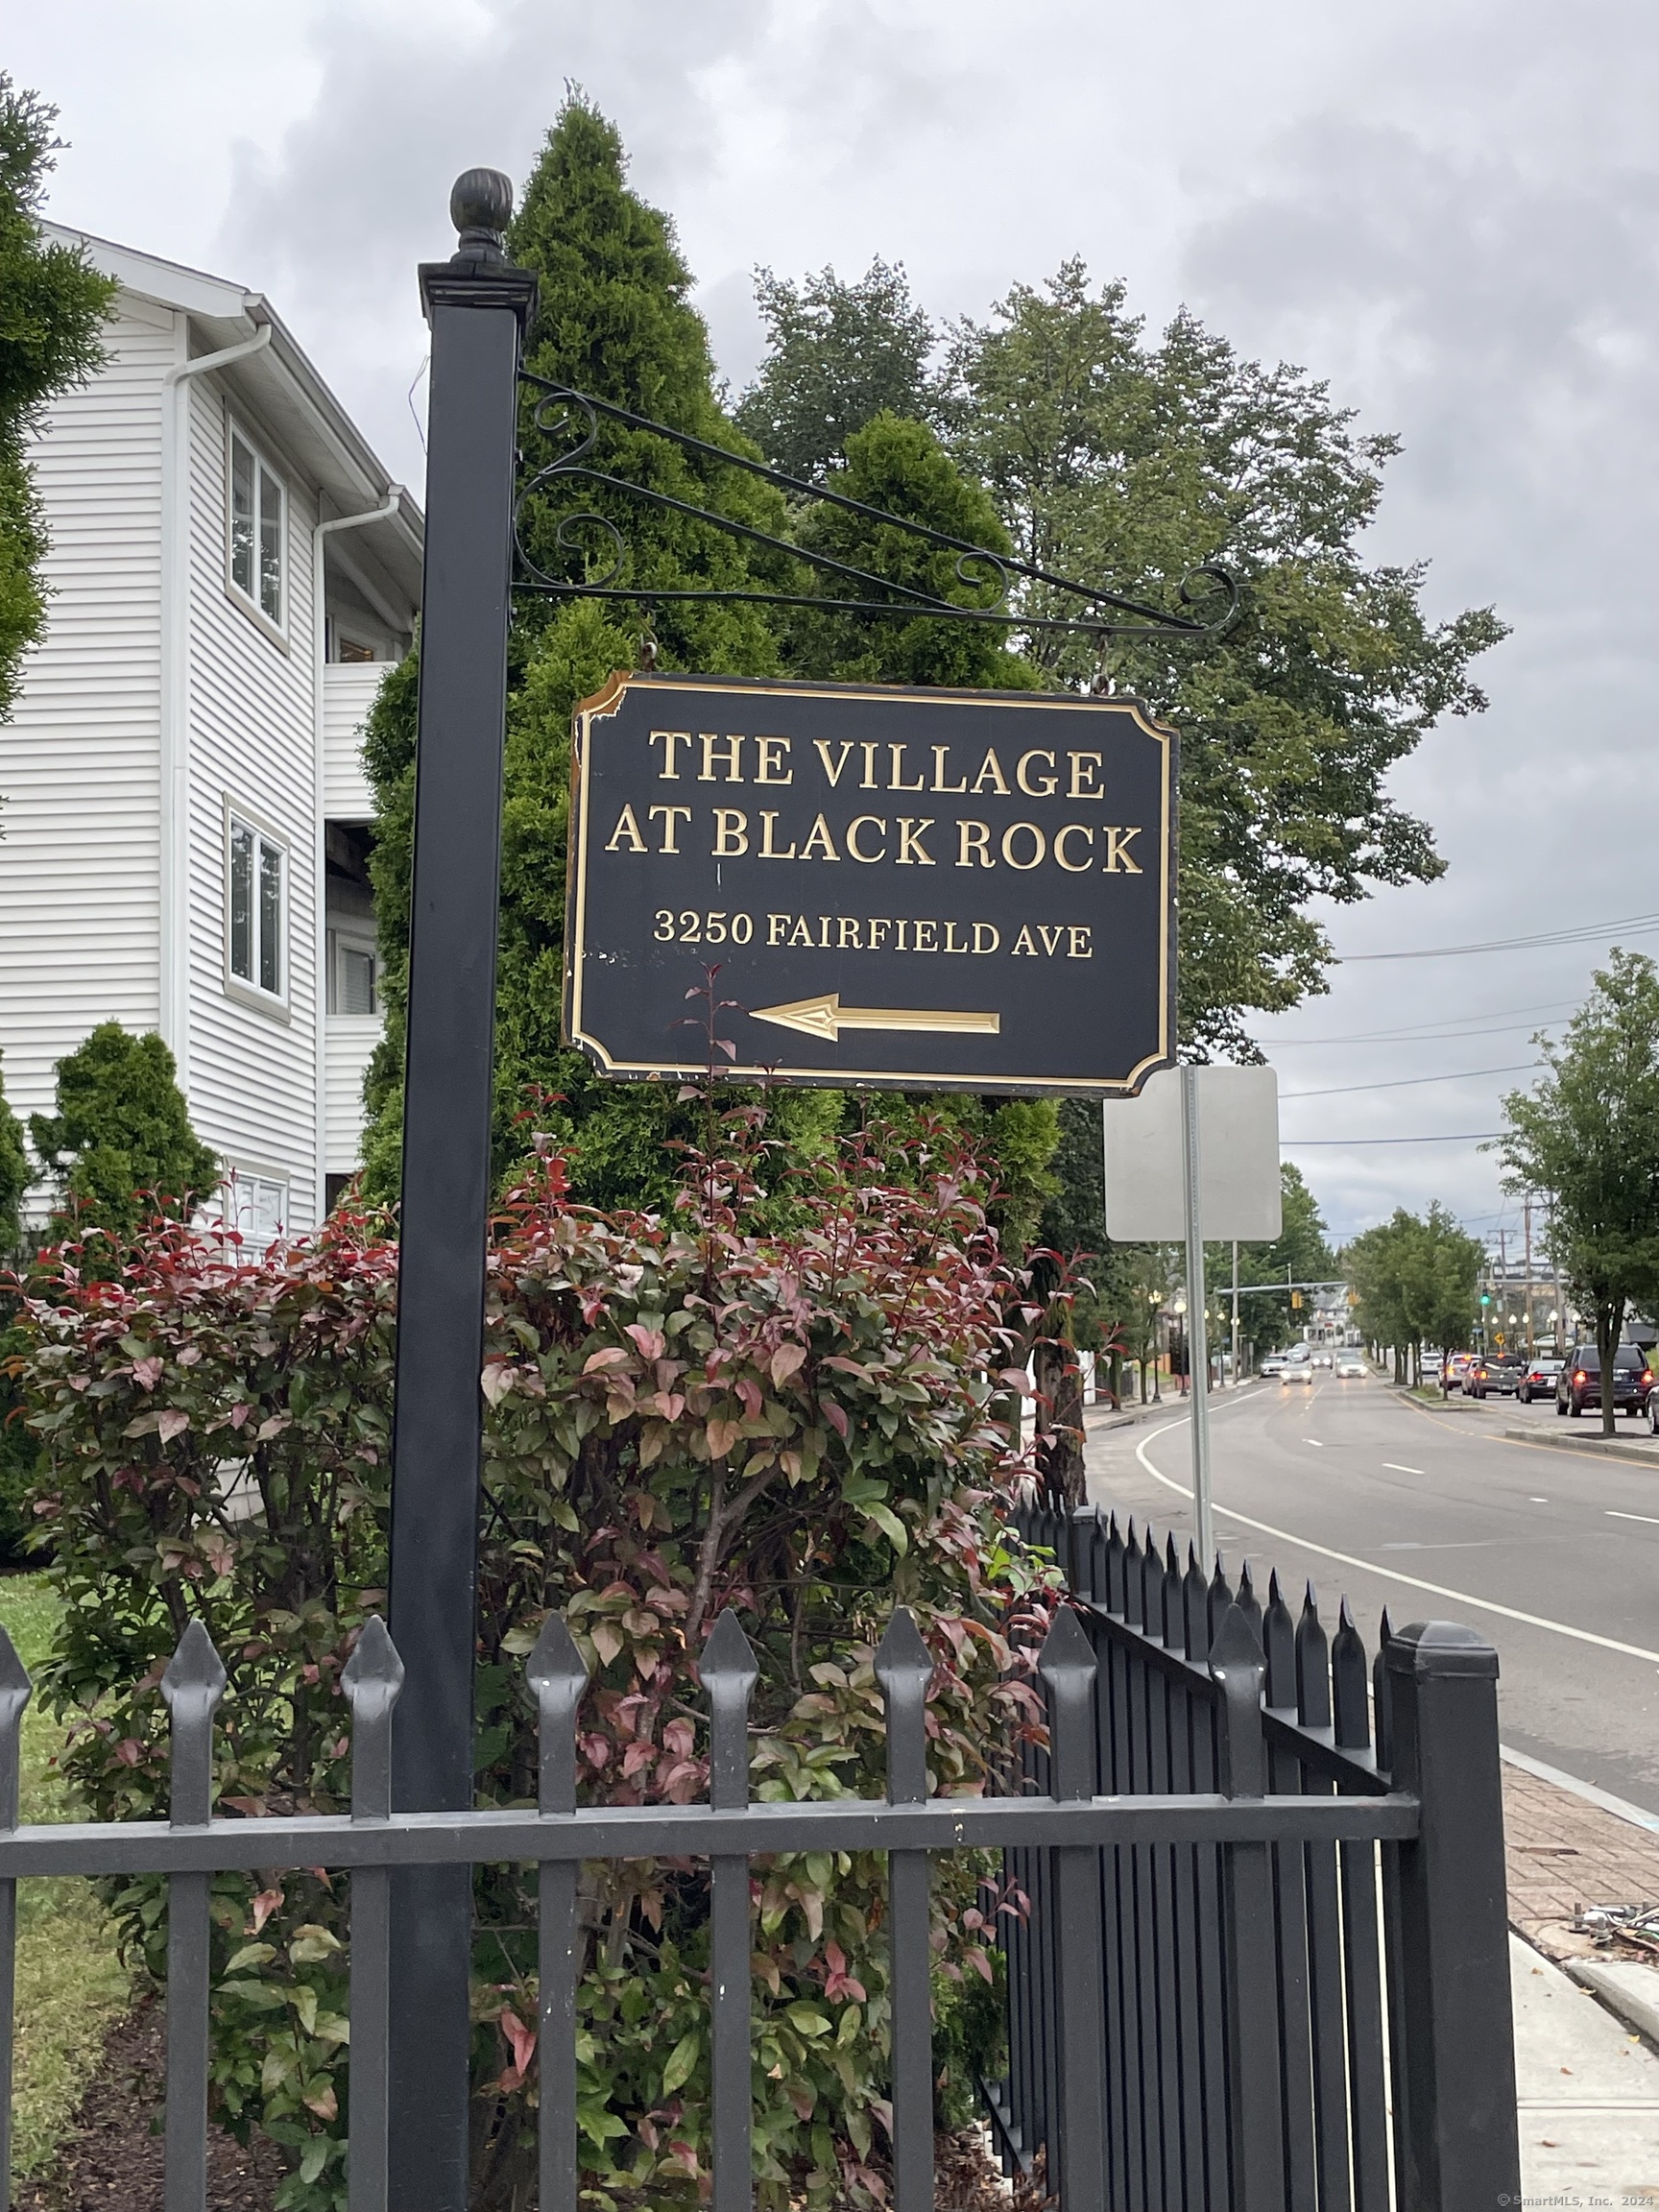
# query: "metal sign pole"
[478,305]
[1197,1337]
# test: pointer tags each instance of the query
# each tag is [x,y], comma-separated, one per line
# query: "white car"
[1322,1359]
[1273,1364]
[1297,1370]
[1348,1365]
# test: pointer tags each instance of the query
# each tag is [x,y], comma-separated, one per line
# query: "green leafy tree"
[837,355]
[120,1146]
[1587,1134]
[1127,463]
[614,319]
[1300,1253]
[52,305]
[1416,1281]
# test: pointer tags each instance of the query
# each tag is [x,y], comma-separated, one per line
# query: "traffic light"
[1486,1297]
[1296,1299]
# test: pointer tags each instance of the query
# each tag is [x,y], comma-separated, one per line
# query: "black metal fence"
[1296,2022]
[1196,2012]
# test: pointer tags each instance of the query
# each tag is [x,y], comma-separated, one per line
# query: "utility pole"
[1235,1313]
[1527,1219]
[1503,1298]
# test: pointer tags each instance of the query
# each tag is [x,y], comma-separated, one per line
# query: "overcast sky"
[1448,207]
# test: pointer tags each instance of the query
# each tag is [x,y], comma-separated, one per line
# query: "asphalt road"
[1553,1554]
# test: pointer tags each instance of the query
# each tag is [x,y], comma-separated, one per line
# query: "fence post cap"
[374,1674]
[481,204]
[1441,1648]
[16,1685]
[1067,1653]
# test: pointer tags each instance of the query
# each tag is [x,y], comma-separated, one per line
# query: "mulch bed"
[112,2159]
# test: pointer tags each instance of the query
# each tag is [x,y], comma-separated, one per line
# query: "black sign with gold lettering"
[972,890]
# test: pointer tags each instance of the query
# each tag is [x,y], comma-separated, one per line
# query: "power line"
[1641,924]
[1442,1033]
[1404,1082]
[1464,1136]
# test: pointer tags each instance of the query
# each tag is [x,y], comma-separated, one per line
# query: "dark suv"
[1579,1383]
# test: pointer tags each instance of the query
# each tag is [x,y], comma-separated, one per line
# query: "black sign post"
[478,305]
[930,888]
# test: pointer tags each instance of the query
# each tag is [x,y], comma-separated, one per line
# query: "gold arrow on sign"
[827,1017]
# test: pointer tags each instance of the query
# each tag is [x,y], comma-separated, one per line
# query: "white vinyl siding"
[349,689]
[80,761]
[351,1037]
[252,1064]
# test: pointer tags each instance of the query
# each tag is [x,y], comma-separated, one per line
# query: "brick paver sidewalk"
[1564,1852]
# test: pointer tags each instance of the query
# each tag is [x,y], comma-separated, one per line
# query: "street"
[1552,1553]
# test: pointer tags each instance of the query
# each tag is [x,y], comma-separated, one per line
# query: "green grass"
[71,1986]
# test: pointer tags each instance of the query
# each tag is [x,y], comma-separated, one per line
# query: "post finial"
[480,207]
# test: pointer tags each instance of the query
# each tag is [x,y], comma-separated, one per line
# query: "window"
[255,1207]
[352,978]
[353,649]
[257,518]
[257,902]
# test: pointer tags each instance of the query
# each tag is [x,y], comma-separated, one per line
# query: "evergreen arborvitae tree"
[837,355]
[120,1146]
[13,1175]
[614,320]
[52,305]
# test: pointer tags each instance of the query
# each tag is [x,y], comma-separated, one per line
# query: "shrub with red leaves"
[782,1401]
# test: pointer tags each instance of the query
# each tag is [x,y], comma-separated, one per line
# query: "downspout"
[320,856]
[175,792]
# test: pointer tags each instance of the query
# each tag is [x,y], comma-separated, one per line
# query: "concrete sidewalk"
[1587,2083]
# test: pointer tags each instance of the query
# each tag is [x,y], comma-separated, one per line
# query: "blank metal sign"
[1238,1158]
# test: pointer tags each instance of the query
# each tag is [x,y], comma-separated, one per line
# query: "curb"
[1602,1447]
[1626,1986]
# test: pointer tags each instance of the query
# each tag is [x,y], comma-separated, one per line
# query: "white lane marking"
[1314,1441]
[1537,1500]
[1394,1468]
[1652,1520]
[1393,1573]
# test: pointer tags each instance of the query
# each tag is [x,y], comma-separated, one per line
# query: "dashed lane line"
[1613,1514]
[1393,1573]
[1394,1468]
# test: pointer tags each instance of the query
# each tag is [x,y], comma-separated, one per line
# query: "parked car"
[1297,1370]
[1455,1367]
[1429,1366]
[1348,1365]
[1538,1379]
[1491,1374]
[1579,1382]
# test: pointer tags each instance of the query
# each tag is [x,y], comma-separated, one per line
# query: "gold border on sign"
[601,704]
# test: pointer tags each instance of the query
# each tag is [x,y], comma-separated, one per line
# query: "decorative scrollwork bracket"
[596,543]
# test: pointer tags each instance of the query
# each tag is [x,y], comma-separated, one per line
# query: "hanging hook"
[647,652]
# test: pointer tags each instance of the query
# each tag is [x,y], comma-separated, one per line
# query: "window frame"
[237,1177]
[247,988]
[236,432]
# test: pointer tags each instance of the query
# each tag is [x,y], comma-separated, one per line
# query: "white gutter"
[174,794]
[319,856]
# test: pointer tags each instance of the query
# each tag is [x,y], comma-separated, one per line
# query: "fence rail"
[1194,2003]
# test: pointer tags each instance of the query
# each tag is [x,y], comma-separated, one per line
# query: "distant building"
[185,818]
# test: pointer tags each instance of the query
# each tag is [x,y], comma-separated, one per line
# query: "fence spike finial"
[15,1692]
[1348,1670]
[1239,1666]
[557,1674]
[730,1672]
[192,1687]
[373,1680]
[904,1668]
[1068,1668]
[1279,1641]
[1312,1666]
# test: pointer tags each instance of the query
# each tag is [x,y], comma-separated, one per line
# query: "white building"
[184,815]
